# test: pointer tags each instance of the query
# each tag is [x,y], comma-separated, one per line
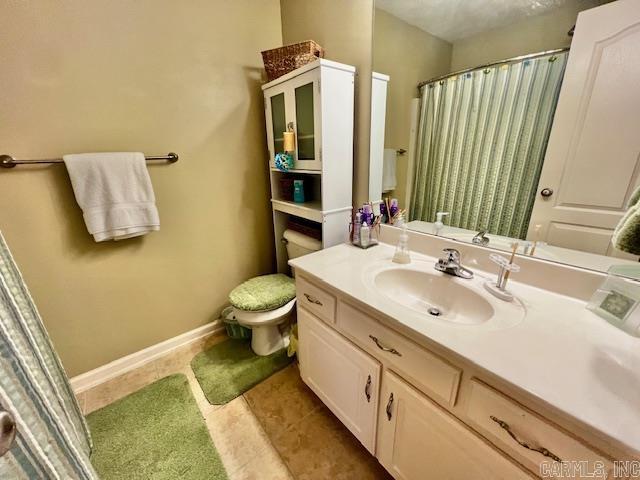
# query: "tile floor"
[278,430]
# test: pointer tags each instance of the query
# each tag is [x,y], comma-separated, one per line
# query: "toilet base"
[265,334]
[266,340]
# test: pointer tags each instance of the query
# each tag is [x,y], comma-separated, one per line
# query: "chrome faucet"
[450,264]
[480,238]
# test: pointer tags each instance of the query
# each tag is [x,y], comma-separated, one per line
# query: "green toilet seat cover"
[266,292]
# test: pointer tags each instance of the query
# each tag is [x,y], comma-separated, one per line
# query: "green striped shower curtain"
[52,440]
[481,143]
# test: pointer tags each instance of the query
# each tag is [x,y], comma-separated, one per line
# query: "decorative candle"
[289,141]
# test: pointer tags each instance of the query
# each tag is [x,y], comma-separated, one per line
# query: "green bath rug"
[155,433]
[230,368]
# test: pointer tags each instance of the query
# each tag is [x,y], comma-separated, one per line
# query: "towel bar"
[7,161]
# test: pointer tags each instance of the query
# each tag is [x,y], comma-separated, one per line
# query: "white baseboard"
[99,375]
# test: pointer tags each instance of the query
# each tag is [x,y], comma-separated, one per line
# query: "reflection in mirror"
[519,120]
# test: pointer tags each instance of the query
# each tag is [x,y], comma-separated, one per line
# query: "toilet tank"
[299,244]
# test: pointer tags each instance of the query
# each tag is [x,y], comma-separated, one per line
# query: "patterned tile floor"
[278,430]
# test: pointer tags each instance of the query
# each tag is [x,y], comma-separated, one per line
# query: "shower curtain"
[52,440]
[481,143]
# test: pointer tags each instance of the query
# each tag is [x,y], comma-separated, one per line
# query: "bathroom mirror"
[516,118]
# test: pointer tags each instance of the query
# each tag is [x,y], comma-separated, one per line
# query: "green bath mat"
[155,433]
[230,368]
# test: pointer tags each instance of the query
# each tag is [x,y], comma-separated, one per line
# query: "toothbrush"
[376,226]
[514,249]
[398,214]
[389,219]
[536,237]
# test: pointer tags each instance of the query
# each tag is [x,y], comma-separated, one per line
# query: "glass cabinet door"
[305,122]
[278,122]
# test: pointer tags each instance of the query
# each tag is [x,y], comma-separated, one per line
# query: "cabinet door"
[295,102]
[275,105]
[418,440]
[305,115]
[344,377]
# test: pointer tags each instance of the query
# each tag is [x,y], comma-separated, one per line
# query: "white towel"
[389,170]
[115,194]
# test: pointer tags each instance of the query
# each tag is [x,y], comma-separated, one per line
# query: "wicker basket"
[280,61]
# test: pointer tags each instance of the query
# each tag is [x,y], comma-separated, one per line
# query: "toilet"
[264,303]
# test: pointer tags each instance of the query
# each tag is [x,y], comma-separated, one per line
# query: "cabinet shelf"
[298,170]
[310,210]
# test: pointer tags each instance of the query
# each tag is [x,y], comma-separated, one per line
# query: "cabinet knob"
[546,192]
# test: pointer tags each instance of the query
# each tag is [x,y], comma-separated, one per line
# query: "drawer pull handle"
[383,348]
[505,426]
[367,389]
[312,299]
[8,430]
[389,405]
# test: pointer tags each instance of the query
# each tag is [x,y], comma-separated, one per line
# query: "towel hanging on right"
[389,170]
[626,236]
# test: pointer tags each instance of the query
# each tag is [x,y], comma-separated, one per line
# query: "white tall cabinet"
[316,102]
[379,84]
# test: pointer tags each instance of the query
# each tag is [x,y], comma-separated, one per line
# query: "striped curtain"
[481,143]
[52,440]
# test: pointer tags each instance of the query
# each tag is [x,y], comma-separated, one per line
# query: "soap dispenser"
[438,226]
[402,249]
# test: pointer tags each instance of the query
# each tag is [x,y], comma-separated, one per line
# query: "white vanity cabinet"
[344,377]
[423,413]
[417,439]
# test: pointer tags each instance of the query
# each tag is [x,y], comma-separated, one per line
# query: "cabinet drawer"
[495,416]
[316,300]
[424,369]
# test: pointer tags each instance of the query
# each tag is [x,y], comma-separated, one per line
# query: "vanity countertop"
[561,353]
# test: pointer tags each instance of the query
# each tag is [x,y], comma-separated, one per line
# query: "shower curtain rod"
[493,64]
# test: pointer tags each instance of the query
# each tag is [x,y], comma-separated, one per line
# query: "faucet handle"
[452,254]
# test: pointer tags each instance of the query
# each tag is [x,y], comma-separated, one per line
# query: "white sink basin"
[444,298]
[434,295]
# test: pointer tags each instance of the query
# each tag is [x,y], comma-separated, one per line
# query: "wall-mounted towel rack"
[7,161]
